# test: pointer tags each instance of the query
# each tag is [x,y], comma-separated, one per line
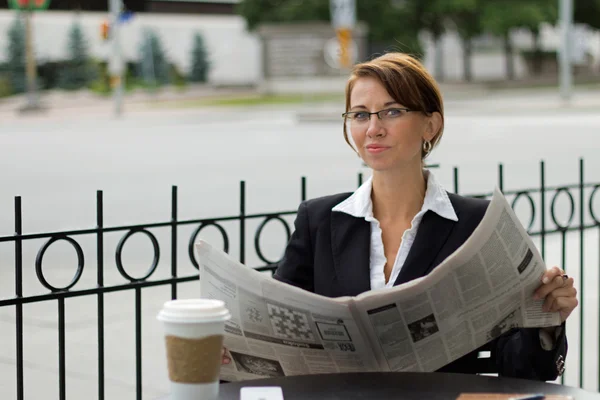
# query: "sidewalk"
[59,104]
[459,98]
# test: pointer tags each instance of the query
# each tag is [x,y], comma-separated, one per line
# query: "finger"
[556,283]
[550,303]
[226,360]
[563,292]
[564,305]
[551,274]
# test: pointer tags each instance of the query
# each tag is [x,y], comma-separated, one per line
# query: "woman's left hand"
[558,291]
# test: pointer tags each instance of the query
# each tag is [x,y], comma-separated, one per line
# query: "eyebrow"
[389,103]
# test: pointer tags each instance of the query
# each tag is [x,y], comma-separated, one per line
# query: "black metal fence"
[543,221]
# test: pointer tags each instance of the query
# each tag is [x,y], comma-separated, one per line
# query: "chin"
[387,165]
[380,167]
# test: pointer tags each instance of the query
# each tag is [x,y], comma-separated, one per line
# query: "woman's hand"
[224,358]
[558,293]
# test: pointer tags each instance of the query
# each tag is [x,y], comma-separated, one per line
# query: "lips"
[376,148]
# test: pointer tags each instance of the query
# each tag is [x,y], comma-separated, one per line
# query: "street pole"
[343,20]
[566,73]
[30,64]
[116,61]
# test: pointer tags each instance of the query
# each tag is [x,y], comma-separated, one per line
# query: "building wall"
[489,61]
[234,52]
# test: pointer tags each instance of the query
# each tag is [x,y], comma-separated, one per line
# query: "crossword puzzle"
[254,314]
[289,324]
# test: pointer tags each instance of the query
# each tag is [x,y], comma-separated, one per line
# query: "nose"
[375,127]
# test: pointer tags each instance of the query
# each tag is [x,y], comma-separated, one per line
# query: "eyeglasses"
[363,117]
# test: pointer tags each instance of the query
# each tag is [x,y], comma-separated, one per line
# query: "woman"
[400,224]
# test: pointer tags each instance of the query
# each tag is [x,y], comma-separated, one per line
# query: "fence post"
[543,206]
[303,188]
[581,261]
[456,180]
[100,282]
[19,294]
[242,222]
[174,241]
[62,355]
[501,177]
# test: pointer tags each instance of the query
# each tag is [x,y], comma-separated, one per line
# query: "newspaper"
[481,291]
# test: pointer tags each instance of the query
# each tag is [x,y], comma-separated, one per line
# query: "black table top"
[399,385]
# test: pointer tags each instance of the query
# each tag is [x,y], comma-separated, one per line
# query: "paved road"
[57,164]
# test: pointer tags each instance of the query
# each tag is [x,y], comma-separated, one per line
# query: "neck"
[398,195]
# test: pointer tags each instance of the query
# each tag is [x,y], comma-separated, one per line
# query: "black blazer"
[329,252]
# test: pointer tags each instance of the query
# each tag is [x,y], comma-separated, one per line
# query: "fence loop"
[259,232]
[119,255]
[553,204]
[40,257]
[591,205]
[527,195]
[191,250]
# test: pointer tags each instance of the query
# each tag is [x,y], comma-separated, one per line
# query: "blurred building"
[160,6]
[237,55]
[215,7]
[229,43]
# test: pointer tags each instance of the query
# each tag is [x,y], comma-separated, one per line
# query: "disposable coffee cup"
[194,330]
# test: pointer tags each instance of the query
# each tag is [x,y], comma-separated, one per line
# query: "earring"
[427,146]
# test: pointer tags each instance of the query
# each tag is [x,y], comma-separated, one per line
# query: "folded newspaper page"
[481,291]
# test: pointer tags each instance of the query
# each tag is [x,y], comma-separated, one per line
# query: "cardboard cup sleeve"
[194,360]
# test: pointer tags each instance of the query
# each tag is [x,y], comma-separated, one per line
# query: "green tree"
[501,16]
[16,56]
[256,12]
[466,16]
[200,61]
[588,12]
[153,64]
[78,73]
[431,17]
[392,23]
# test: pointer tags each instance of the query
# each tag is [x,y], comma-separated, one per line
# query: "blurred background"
[176,44]
[134,97]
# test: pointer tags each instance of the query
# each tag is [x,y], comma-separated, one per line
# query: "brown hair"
[407,82]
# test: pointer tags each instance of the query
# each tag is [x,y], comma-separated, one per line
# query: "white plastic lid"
[194,310]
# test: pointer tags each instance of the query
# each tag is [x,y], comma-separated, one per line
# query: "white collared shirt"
[359,205]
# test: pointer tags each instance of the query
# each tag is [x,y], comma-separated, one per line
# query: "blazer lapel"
[353,236]
[431,236]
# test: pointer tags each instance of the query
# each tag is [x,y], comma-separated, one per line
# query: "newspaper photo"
[484,289]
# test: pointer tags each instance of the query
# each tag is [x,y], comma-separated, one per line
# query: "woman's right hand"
[224,358]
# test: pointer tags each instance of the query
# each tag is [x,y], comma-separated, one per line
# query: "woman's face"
[396,140]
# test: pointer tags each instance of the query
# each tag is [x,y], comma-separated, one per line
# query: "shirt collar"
[359,204]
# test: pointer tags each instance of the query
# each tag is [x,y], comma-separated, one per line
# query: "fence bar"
[174,240]
[19,294]
[62,371]
[138,342]
[100,282]
[543,208]
[456,180]
[303,188]
[581,261]
[501,177]
[242,222]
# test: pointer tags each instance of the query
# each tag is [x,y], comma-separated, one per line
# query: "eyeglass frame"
[345,115]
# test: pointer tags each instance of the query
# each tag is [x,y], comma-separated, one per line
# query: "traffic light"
[104,30]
